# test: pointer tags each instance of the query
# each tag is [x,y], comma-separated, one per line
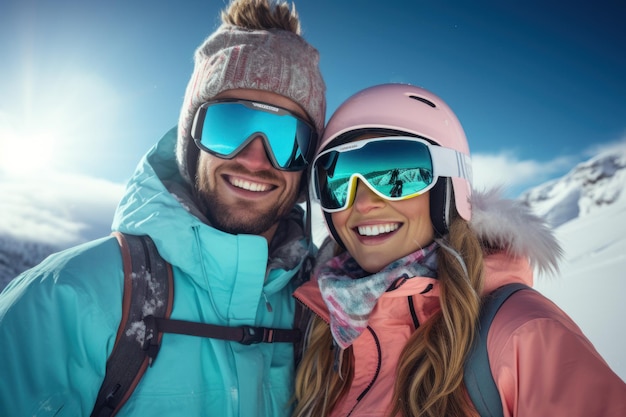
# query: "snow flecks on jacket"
[137,328]
[150,306]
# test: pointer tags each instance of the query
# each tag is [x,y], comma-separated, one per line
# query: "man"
[218,197]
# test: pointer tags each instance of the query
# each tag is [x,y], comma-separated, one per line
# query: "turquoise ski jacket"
[58,320]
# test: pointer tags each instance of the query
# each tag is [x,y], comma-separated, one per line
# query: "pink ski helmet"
[405,108]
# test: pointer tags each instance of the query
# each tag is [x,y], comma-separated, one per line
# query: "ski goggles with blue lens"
[225,127]
[395,168]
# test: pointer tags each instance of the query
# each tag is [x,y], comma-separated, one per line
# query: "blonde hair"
[262,15]
[430,369]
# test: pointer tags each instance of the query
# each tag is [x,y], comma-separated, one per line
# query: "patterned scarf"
[351,294]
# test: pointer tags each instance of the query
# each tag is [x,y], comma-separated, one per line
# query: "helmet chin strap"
[441,197]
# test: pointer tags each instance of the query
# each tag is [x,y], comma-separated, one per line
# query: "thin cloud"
[608,147]
[57,209]
[507,170]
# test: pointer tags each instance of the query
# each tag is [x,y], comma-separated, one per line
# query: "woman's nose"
[365,199]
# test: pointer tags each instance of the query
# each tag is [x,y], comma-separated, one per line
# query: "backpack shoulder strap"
[478,378]
[147,282]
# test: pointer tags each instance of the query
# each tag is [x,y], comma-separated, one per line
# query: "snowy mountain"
[587,207]
[587,189]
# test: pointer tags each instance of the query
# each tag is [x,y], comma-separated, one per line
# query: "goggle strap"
[450,163]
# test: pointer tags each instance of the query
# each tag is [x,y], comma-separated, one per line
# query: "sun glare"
[25,153]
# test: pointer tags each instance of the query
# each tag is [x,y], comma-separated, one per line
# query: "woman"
[396,313]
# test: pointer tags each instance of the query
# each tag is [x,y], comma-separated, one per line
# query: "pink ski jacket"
[541,361]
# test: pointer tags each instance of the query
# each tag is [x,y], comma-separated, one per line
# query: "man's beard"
[239,218]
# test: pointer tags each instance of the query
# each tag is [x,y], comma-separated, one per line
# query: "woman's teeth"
[377,229]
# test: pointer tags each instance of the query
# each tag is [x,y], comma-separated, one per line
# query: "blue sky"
[87,87]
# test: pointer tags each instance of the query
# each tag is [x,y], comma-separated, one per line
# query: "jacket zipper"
[268,305]
[378,366]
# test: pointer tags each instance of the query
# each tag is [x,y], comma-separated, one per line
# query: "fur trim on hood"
[510,225]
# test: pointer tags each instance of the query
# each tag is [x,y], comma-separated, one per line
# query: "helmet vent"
[423,100]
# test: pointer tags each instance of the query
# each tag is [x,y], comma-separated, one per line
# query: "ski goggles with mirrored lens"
[395,168]
[225,127]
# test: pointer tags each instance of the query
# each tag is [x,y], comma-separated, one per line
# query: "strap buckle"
[251,335]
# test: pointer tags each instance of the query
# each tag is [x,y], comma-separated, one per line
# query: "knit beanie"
[273,60]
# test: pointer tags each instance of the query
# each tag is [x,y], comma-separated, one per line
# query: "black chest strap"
[245,335]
